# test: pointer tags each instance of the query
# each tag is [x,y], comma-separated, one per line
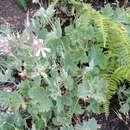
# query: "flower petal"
[43,54]
[40,40]
[35,42]
[38,53]
[46,49]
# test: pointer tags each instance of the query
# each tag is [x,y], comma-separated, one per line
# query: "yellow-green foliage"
[114,37]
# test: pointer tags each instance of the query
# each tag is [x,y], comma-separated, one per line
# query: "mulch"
[11,14]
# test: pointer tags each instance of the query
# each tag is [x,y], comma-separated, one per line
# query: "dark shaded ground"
[113,122]
[12,14]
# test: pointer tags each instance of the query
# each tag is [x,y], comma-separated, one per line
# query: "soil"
[12,14]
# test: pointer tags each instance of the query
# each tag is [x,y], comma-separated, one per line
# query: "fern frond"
[113,80]
[123,72]
[101,24]
[106,107]
[119,43]
[113,36]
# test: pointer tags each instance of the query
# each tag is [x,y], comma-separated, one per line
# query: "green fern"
[113,80]
[113,36]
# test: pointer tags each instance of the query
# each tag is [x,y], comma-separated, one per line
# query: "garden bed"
[12,14]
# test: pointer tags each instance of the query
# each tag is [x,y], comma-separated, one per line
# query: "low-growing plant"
[52,72]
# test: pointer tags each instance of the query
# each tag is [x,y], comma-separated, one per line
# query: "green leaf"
[36,82]
[17,120]
[67,128]
[67,79]
[39,124]
[93,89]
[6,76]
[24,87]
[70,67]
[59,104]
[22,4]
[57,28]
[94,107]
[125,108]
[60,119]
[40,98]
[91,124]
[16,101]
[78,55]
[67,99]
[4,98]
[45,14]
[107,11]
[98,57]
[50,10]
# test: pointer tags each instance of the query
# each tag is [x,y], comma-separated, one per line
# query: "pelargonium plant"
[53,74]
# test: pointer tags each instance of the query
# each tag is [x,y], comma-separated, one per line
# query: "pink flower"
[40,48]
[39,45]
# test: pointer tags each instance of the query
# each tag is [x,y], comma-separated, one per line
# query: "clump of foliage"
[89,63]
[22,4]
